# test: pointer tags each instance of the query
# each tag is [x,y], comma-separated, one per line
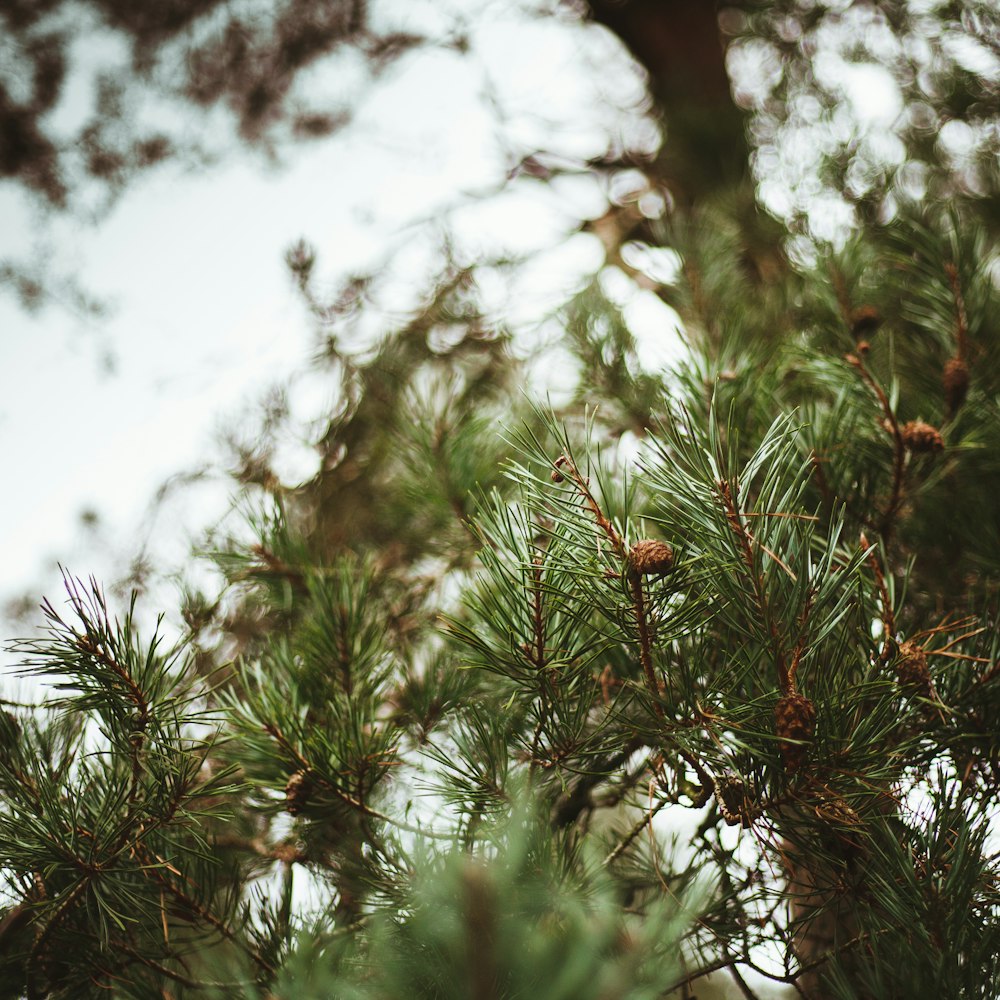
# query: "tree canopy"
[693,671]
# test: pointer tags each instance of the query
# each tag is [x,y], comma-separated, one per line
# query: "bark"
[679,44]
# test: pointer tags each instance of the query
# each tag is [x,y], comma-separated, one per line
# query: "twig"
[634,579]
[884,526]
[205,914]
[803,636]
[576,799]
[537,655]
[646,658]
[622,846]
[284,852]
[786,681]
[741,983]
[97,643]
[46,932]
[888,616]
[639,606]
[162,970]
[47,706]
[595,508]
[645,645]
[346,798]
[705,970]
[961,317]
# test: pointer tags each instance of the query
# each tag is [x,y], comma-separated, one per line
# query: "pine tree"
[697,673]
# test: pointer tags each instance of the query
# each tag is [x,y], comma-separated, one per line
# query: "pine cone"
[297,792]
[650,556]
[734,801]
[921,438]
[865,320]
[837,809]
[956,383]
[846,828]
[912,669]
[794,719]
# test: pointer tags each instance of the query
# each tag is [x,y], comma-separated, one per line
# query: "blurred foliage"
[691,670]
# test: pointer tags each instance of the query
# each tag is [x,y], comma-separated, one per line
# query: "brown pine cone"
[794,719]
[651,557]
[844,833]
[921,438]
[912,669]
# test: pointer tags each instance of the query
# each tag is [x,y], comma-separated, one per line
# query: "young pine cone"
[955,379]
[650,557]
[921,438]
[794,719]
[913,671]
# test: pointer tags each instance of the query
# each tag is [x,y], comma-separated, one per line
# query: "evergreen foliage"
[695,673]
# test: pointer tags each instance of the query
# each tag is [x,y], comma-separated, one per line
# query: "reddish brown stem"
[537,657]
[203,913]
[639,606]
[645,642]
[885,523]
[961,317]
[803,639]
[646,659]
[538,622]
[635,584]
[595,508]
[888,617]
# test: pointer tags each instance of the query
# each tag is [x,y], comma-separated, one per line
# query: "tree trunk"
[679,44]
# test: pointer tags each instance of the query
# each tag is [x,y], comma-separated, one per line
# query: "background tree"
[422,741]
